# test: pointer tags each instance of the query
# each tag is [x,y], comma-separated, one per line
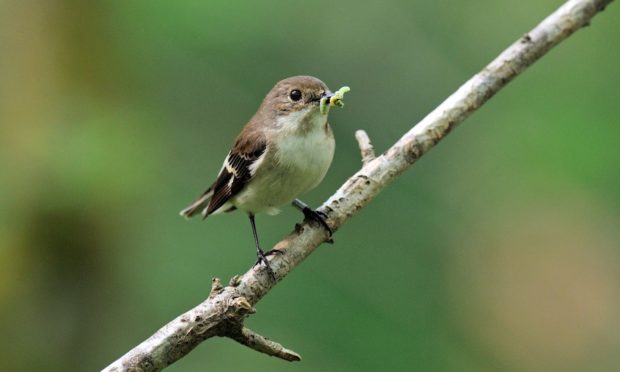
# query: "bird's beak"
[324,97]
[327,95]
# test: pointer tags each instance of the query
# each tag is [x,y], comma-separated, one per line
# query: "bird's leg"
[260,255]
[311,214]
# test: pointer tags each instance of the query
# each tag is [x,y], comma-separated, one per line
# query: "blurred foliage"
[500,250]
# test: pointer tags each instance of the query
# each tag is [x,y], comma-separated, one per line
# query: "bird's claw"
[261,257]
[273,251]
[319,217]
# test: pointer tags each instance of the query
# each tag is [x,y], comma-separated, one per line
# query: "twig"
[368,152]
[227,307]
[257,342]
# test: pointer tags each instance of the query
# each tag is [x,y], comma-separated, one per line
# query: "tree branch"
[366,149]
[223,313]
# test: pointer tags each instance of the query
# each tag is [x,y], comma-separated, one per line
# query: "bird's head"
[296,103]
[297,94]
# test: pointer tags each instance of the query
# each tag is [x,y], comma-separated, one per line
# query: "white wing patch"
[257,163]
[231,169]
[235,174]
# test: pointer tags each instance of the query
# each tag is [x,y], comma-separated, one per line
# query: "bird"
[284,151]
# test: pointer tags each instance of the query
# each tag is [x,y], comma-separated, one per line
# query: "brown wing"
[236,172]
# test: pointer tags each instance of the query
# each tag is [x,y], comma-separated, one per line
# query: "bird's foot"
[261,257]
[319,217]
[273,251]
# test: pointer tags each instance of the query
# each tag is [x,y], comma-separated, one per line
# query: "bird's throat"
[302,122]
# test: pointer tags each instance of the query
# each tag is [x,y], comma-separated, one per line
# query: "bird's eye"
[295,95]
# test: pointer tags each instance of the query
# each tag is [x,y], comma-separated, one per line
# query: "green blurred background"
[498,251]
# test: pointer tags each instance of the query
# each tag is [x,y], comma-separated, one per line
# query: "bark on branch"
[223,313]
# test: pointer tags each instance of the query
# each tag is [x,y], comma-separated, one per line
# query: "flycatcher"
[281,153]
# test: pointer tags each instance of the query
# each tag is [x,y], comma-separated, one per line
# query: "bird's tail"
[200,205]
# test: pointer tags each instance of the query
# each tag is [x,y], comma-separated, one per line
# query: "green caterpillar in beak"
[334,100]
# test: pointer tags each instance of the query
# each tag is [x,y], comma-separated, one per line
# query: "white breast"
[294,163]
